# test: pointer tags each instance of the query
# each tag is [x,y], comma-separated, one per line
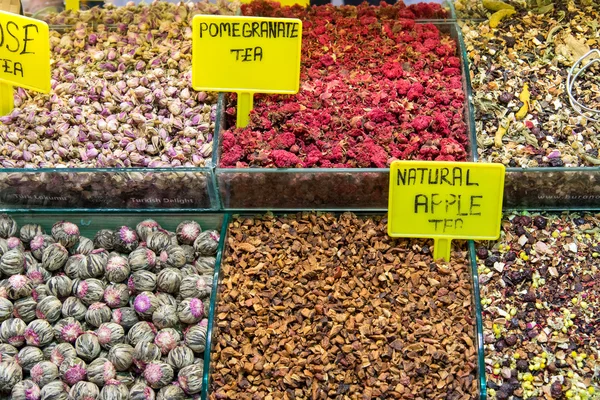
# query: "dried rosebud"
[87,346]
[84,391]
[62,352]
[55,390]
[65,233]
[25,309]
[142,281]
[97,314]
[141,332]
[6,309]
[84,247]
[75,265]
[110,334]
[39,333]
[190,378]
[89,291]
[207,243]
[38,244]
[60,286]
[144,304]
[30,231]
[28,356]
[8,226]
[67,330]
[166,340]
[18,286]
[54,257]
[188,231]
[158,241]
[117,268]
[145,352]
[49,308]
[104,239]
[126,317]
[126,239]
[73,307]
[25,390]
[190,311]
[196,286]
[44,372]
[180,357]
[168,280]
[158,374]
[146,227]
[114,390]
[141,391]
[142,259]
[195,338]
[37,274]
[190,253]
[100,371]
[165,316]
[12,262]
[12,331]
[10,374]
[96,264]
[121,355]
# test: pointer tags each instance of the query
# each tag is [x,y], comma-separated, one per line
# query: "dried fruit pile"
[539,289]
[120,97]
[519,72]
[484,8]
[375,87]
[84,317]
[319,306]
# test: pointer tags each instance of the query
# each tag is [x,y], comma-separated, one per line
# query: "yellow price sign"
[246,55]
[303,3]
[445,201]
[24,57]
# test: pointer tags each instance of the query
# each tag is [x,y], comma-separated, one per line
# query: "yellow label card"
[303,3]
[445,200]
[246,54]
[24,52]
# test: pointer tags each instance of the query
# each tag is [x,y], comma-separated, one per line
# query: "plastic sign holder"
[246,55]
[445,201]
[24,57]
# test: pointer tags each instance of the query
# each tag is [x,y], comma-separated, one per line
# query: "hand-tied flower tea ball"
[78,322]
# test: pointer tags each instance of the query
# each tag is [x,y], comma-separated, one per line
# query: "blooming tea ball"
[190,311]
[110,334]
[158,374]
[141,332]
[117,268]
[190,253]
[180,357]
[25,309]
[168,280]
[10,374]
[116,295]
[95,264]
[165,316]
[75,265]
[188,231]
[176,257]
[65,233]
[38,244]
[30,231]
[18,286]
[12,262]
[166,340]
[8,226]
[144,304]
[62,352]
[166,299]
[114,390]
[121,355]
[141,258]
[104,239]
[126,239]
[89,291]
[25,390]
[60,286]
[55,390]
[125,316]
[87,346]
[146,227]
[84,391]
[84,247]
[158,241]
[67,330]
[73,370]
[142,281]
[141,391]
[73,307]
[6,309]
[44,372]
[171,392]
[28,356]
[145,352]
[37,274]
[100,371]
[190,378]
[207,243]
[195,338]
[12,331]
[39,333]
[54,257]
[196,286]
[97,314]
[205,265]
[127,378]
[7,352]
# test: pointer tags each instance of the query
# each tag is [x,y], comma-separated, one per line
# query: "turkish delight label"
[24,52]
[246,54]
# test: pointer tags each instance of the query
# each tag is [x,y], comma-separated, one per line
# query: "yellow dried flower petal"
[498,16]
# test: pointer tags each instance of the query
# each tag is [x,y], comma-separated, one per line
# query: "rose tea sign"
[24,57]
[445,201]
[246,55]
